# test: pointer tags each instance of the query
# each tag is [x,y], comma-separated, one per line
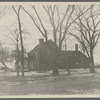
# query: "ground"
[80,82]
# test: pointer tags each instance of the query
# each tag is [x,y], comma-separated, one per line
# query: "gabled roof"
[34,49]
[75,53]
[48,43]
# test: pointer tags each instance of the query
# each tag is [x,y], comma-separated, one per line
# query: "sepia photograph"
[49,49]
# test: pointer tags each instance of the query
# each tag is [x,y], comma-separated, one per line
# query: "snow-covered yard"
[63,72]
[79,82]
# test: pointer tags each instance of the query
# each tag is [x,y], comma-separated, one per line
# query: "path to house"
[79,82]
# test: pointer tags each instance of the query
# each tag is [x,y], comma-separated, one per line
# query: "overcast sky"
[31,40]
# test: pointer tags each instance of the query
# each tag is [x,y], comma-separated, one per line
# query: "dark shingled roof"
[75,53]
[48,43]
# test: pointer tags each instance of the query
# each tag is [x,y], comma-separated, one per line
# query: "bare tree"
[15,41]
[39,24]
[4,53]
[60,25]
[89,32]
[17,12]
[4,56]
[5,10]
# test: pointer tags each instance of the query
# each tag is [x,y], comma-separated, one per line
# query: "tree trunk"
[55,71]
[21,37]
[67,65]
[22,48]
[92,69]
[17,67]
[46,38]
[17,61]
[5,66]
[56,62]
[55,67]
[66,59]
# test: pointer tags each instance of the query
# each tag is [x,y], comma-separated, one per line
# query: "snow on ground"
[80,72]
[80,81]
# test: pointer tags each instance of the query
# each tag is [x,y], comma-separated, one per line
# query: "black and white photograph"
[49,49]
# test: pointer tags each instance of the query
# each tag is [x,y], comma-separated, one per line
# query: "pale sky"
[31,41]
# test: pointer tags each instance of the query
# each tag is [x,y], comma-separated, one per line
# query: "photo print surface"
[49,49]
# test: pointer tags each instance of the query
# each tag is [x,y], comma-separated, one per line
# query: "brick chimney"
[76,47]
[41,41]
